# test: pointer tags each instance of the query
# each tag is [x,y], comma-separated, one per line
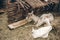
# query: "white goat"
[49,16]
[43,31]
[41,20]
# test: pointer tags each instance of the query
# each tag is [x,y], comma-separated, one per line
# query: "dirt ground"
[24,32]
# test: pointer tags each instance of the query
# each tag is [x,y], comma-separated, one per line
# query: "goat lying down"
[43,31]
[33,17]
[49,16]
[39,20]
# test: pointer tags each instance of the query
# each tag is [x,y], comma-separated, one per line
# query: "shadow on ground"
[23,33]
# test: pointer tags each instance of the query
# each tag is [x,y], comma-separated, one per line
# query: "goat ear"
[50,13]
[32,12]
[32,29]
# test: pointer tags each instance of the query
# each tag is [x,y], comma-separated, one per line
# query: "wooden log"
[19,23]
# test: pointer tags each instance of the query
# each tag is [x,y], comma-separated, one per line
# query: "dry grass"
[23,33]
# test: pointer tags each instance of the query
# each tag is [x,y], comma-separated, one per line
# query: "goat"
[39,20]
[43,31]
[33,17]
